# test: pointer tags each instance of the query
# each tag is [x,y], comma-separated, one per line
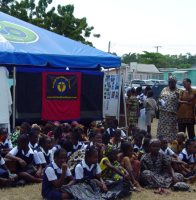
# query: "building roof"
[145,68]
[179,72]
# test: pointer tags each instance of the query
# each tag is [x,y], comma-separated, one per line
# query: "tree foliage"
[160,60]
[59,19]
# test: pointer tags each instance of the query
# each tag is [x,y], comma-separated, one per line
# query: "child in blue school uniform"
[137,143]
[56,175]
[89,169]
[45,151]
[5,142]
[34,138]
[6,179]
[165,149]
[187,155]
[76,140]
[28,165]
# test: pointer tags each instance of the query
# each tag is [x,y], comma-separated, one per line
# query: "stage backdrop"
[58,95]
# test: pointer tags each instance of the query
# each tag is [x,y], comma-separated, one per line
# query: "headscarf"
[153,141]
[172,78]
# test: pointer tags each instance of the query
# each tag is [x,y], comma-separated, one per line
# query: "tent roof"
[25,44]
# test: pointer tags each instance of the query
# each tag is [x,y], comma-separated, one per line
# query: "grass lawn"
[33,192]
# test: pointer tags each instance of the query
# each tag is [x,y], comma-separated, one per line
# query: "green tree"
[161,61]
[4,5]
[130,57]
[58,19]
[153,58]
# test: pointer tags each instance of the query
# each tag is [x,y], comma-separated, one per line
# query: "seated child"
[187,155]
[27,162]
[5,142]
[24,128]
[177,164]
[165,149]
[58,138]
[48,129]
[56,175]
[89,169]
[45,153]
[66,131]
[97,141]
[101,128]
[116,140]
[111,168]
[106,138]
[74,124]
[137,143]
[92,125]
[76,140]
[128,160]
[113,125]
[5,177]
[34,138]
[178,144]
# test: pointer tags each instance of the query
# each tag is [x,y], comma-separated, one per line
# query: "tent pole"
[14,99]
[120,87]
[125,109]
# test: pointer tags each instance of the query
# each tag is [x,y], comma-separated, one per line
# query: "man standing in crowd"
[186,111]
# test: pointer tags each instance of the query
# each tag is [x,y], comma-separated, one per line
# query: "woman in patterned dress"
[167,125]
[132,106]
[156,170]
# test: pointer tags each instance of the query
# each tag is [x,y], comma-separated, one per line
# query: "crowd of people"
[103,161]
[175,109]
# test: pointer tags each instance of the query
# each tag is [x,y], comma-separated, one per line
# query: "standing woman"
[132,106]
[186,112]
[167,125]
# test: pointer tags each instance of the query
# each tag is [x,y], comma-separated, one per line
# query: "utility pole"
[109,44]
[157,48]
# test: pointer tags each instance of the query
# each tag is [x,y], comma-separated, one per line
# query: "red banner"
[61,92]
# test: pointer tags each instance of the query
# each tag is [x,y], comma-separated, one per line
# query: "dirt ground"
[33,192]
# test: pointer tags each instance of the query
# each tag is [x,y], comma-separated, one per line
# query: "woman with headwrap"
[167,125]
[156,168]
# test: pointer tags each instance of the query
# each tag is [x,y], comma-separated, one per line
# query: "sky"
[134,26]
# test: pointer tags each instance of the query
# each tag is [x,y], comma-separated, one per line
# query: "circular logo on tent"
[61,84]
[61,87]
[16,33]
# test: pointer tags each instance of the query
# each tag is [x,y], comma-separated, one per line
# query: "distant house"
[137,71]
[180,74]
[144,71]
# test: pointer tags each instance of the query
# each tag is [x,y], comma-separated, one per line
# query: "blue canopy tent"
[24,44]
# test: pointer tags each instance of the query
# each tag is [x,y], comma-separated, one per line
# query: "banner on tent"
[61,86]
[61,95]
[32,102]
